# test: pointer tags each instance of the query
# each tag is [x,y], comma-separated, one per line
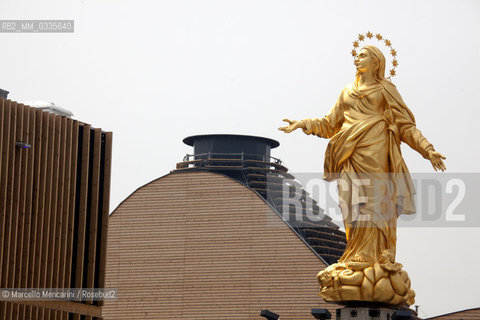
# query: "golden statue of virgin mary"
[365,128]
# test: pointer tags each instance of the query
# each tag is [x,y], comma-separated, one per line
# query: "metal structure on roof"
[50,107]
[247,159]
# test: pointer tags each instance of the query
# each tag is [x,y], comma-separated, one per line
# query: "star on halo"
[361,37]
[355,44]
[354,53]
[388,43]
[369,35]
[378,36]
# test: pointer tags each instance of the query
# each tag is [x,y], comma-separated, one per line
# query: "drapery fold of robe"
[365,144]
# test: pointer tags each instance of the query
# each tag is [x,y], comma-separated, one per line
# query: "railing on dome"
[230,161]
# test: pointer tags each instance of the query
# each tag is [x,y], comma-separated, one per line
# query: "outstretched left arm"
[410,134]
[436,160]
[415,139]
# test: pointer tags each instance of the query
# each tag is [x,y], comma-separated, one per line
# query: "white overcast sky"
[154,72]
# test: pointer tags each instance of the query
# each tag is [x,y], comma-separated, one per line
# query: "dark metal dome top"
[191,140]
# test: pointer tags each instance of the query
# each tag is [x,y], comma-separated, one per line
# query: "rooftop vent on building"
[50,107]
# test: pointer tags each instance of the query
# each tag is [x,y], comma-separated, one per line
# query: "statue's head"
[376,59]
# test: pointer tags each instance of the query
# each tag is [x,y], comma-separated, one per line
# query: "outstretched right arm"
[292,125]
[325,127]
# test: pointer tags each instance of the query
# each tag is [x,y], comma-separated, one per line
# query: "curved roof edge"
[131,194]
[265,201]
[451,313]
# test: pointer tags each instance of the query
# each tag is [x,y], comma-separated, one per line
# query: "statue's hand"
[436,160]
[292,125]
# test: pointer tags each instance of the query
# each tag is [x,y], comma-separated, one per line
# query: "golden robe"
[365,128]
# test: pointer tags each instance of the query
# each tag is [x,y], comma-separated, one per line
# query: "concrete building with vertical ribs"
[54,209]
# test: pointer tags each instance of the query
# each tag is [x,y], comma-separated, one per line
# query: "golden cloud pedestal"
[383,282]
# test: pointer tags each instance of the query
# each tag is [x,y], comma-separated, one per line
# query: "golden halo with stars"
[388,44]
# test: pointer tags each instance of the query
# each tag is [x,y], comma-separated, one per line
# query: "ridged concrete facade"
[54,206]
